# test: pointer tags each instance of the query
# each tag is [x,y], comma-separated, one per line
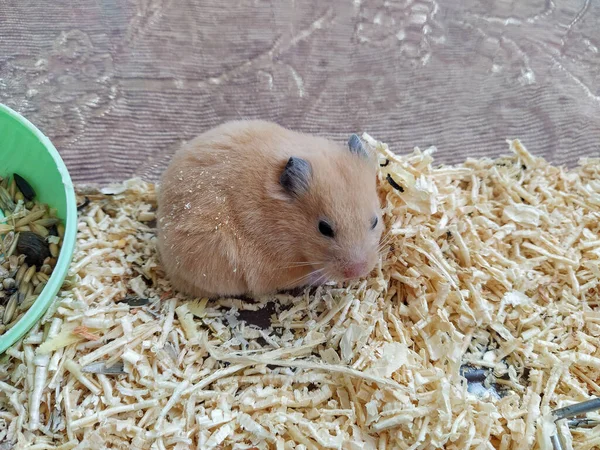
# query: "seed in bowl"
[31,236]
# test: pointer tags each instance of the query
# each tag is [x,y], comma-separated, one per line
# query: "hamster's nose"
[355,269]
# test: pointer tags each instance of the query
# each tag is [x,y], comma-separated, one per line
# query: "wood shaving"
[492,265]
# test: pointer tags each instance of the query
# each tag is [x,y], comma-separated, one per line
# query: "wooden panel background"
[118,85]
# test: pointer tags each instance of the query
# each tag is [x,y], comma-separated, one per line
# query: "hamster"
[252,208]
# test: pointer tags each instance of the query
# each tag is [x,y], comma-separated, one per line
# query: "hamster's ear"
[356,146]
[295,178]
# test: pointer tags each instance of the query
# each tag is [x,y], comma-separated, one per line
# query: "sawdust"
[491,266]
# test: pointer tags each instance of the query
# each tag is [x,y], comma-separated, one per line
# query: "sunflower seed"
[24,187]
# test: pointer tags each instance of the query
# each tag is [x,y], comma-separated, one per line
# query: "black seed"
[393,183]
[135,301]
[524,167]
[53,231]
[448,235]
[260,318]
[24,187]
[34,247]
[387,161]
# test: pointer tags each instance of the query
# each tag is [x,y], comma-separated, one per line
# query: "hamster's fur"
[250,208]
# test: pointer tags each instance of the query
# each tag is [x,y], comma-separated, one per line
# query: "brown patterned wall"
[117,85]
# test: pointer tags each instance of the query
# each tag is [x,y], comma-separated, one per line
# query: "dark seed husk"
[136,301]
[82,203]
[394,184]
[34,247]
[24,187]
[475,375]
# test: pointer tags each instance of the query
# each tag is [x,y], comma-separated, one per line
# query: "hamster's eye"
[325,229]
[374,223]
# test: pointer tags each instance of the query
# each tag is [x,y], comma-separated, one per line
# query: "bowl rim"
[48,294]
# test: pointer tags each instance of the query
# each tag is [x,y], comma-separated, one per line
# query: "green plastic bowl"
[25,150]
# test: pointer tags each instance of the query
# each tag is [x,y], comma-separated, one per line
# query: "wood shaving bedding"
[492,266]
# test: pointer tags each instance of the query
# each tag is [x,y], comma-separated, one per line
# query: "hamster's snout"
[356,269]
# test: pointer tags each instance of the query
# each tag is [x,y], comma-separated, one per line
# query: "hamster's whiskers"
[302,264]
[308,275]
[384,241]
